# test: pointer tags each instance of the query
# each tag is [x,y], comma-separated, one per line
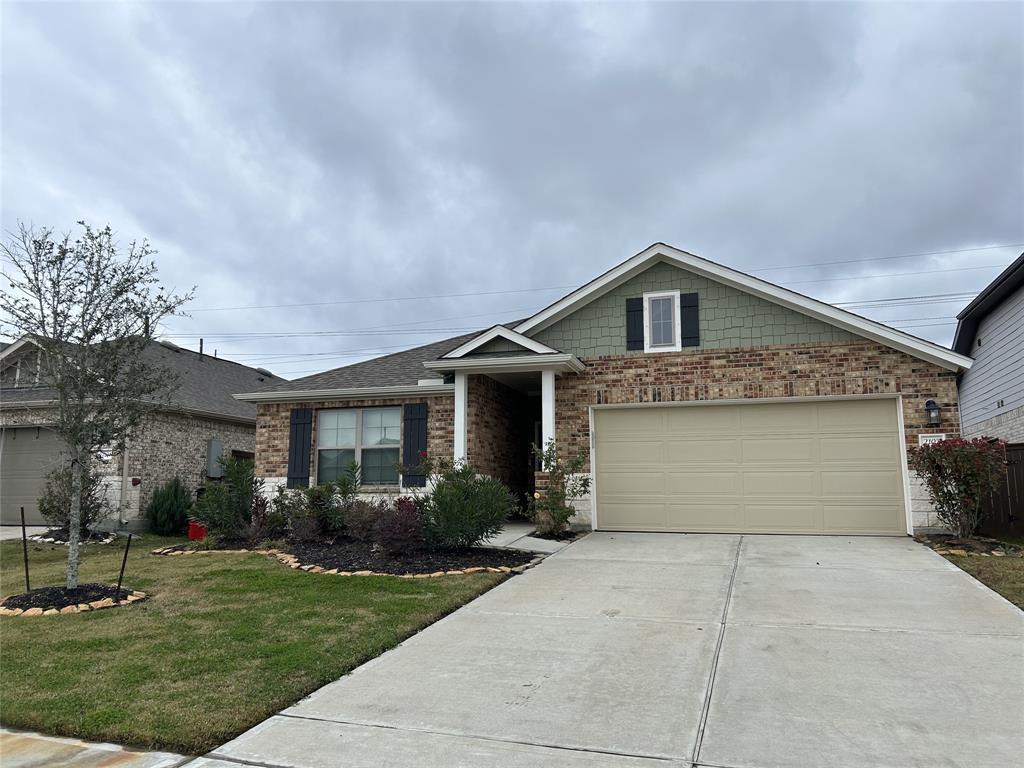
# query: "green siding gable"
[729,318]
[499,345]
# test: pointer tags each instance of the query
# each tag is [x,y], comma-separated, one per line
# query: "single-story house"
[991,331]
[702,398]
[200,422]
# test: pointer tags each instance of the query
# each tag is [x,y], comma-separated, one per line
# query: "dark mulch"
[59,597]
[60,536]
[977,545]
[361,556]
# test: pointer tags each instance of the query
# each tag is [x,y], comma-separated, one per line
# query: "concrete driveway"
[649,650]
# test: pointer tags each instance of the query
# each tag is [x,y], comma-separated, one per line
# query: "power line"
[888,258]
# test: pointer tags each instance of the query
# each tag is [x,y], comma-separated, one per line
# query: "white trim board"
[500,331]
[561,362]
[352,393]
[659,252]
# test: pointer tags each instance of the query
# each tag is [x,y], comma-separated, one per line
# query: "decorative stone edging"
[96,605]
[293,562]
[39,538]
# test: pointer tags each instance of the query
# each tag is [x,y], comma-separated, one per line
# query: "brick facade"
[499,431]
[806,370]
[273,421]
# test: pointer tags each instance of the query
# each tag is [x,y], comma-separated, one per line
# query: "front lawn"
[1004,575]
[224,641]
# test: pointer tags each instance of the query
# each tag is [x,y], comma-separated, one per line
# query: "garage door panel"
[861,517]
[619,452]
[704,483]
[702,451]
[778,449]
[781,483]
[790,518]
[778,417]
[635,483]
[704,516]
[693,421]
[27,456]
[861,482]
[883,449]
[803,467]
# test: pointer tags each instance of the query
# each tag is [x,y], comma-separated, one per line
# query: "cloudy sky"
[488,157]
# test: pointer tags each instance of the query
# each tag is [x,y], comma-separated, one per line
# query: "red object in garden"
[196,530]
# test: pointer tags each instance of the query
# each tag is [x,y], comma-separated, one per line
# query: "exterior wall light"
[933,411]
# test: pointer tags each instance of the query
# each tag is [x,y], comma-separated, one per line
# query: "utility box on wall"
[214,450]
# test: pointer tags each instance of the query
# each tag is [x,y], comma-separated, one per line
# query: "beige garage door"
[810,467]
[27,454]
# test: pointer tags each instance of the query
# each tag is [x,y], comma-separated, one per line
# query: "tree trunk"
[74,521]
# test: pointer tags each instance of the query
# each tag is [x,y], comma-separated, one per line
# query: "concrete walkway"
[22,749]
[647,650]
[14,531]
[518,535]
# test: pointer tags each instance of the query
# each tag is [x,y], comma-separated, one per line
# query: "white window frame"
[677,345]
[358,448]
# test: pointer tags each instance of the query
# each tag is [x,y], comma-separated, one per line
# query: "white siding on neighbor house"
[998,370]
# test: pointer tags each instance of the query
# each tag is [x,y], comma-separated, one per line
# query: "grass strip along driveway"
[1004,575]
[224,641]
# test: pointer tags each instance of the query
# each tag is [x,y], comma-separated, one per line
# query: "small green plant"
[552,509]
[959,475]
[167,511]
[326,506]
[226,507]
[55,502]
[464,508]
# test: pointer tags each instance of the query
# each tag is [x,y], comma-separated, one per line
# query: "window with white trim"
[368,436]
[661,322]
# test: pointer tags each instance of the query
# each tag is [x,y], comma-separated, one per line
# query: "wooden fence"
[1006,506]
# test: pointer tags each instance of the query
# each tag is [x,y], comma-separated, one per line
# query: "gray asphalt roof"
[205,384]
[392,370]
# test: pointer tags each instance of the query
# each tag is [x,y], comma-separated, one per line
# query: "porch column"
[461,396]
[547,407]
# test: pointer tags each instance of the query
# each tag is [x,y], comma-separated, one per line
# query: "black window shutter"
[414,442]
[634,324]
[689,320]
[300,439]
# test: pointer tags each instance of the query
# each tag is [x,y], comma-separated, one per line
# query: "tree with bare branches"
[91,307]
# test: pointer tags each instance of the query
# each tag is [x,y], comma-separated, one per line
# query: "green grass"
[224,641]
[1004,575]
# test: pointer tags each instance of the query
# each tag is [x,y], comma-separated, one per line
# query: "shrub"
[551,510]
[361,517]
[959,474]
[325,505]
[267,522]
[167,511]
[464,508]
[55,503]
[226,508]
[400,527]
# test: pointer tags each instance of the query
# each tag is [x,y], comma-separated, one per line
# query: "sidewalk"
[21,749]
[516,535]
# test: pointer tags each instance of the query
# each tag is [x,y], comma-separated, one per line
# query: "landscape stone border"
[292,562]
[39,538]
[96,605]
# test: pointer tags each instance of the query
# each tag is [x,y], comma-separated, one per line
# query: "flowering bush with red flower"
[960,474]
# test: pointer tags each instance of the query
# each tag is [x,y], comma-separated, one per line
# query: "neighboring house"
[703,399]
[201,422]
[991,330]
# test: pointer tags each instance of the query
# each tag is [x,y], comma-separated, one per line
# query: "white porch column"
[547,407]
[461,396]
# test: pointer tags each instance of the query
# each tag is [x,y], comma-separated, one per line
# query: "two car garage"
[822,466]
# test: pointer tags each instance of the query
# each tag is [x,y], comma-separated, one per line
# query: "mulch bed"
[948,544]
[60,536]
[52,600]
[360,556]
[569,535]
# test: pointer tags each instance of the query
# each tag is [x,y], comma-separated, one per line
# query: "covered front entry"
[27,455]
[827,466]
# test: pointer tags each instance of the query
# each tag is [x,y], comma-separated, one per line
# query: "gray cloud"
[288,153]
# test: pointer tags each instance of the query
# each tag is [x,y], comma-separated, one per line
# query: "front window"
[369,436]
[661,322]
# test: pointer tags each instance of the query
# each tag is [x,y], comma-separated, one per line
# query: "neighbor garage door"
[807,467]
[27,454]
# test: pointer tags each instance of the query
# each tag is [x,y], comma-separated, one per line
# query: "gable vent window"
[662,322]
